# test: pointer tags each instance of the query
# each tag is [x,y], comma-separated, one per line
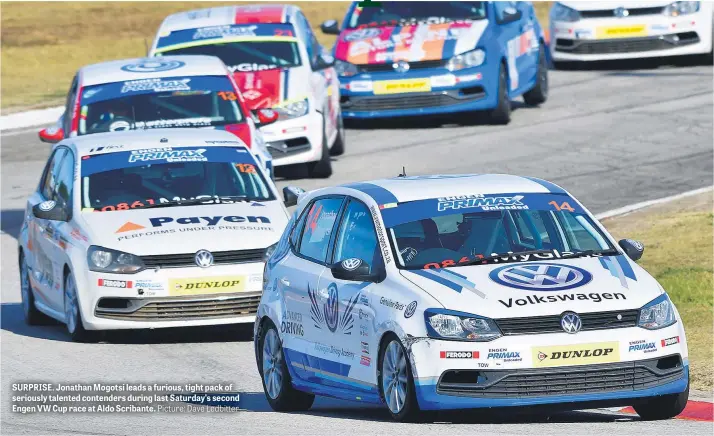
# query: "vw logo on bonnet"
[152,66]
[401,66]
[204,258]
[571,323]
[540,276]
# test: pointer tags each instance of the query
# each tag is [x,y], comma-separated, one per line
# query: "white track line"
[645,204]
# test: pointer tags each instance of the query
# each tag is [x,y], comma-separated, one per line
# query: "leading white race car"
[454,292]
[148,229]
[606,30]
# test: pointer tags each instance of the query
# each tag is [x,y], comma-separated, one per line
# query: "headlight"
[563,13]
[680,8]
[443,324]
[657,314]
[106,260]
[473,58]
[345,69]
[293,110]
[269,252]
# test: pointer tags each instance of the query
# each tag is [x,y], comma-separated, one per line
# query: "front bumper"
[634,37]
[441,92]
[621,365]
[295,141]
[171,297]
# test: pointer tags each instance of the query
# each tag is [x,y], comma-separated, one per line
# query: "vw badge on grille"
[204,258]
[571,322]
[401,66]
[621,12]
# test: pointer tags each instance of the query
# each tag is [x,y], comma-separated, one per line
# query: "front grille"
[188,259]
[178,308]
[609,13]
[626,45]
[551,323]
[522,383]
[412,101]
[376,68]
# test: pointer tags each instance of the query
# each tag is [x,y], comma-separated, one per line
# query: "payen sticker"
[211,285]
[579,354]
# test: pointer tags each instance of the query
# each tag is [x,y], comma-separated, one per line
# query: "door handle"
[285,281]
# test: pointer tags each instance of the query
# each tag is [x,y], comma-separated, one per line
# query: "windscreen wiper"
[519,256]
[225,199]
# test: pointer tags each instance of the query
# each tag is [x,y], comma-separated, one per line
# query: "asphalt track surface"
[611,136]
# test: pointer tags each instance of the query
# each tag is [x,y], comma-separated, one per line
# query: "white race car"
[278,64]
[148,229]
[454,292]
[606,30]
[175,91]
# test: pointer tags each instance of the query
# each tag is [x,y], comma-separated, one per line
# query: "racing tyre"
[539,93]
[275,376]
[396,384]
[321,169]
[664,407]
[32,315]
[73,316]
[338,147]
[502,113]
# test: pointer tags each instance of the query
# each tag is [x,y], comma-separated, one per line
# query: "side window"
[64,180]
[69,107]
[297,230]
[504,8]
[47,186]
[319,225]
[357,237]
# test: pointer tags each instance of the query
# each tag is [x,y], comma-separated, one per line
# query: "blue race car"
[426,58]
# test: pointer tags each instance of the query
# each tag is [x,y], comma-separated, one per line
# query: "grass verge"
[678,253]
[44,43]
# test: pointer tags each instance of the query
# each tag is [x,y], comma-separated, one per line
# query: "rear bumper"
[295,141]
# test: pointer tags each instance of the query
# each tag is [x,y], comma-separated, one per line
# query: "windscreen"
[169,176]
[453,231]
[405,13]
[197,101]
[243,48]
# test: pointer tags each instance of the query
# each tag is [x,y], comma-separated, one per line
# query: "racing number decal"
[283,32]
[563,206]
[228,95]
[246,168]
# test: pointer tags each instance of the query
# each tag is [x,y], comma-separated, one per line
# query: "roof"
[150,68]
[401,189]
[228,15]
[140,139]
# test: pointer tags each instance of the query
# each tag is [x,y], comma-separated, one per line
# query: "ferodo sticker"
[212,285]
[579,354]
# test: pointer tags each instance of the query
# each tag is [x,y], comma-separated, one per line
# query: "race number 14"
[563,206]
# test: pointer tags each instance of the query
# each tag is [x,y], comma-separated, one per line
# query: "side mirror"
[266,116]
[633,249]
[51,135]
[355,270]
[291,194]
[510,15]
[324,61]
[50,210]
[330,27]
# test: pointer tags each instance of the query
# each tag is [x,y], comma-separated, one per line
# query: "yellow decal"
[621,31]
[579,354]
[402,86]
[211,285]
